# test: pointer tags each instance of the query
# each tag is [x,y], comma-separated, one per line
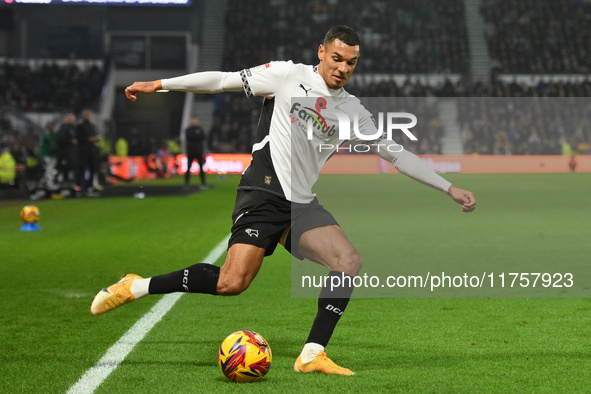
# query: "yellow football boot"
[321,363]
[114,296]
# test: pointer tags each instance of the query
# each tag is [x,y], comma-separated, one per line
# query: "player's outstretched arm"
[463,197]
[201,82]
[142,87]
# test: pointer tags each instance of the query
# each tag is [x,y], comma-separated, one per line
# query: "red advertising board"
[139,167]
[216,163]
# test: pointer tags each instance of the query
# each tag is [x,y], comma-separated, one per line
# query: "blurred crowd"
[49,87]
[506,118]
[57,156]
[522,126]
[415,37]
[548,118]
[70,155]
[533,36]
[235,121]
[485,128]
[427,36]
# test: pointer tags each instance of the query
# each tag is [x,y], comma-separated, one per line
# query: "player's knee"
[350,263]
[356,263]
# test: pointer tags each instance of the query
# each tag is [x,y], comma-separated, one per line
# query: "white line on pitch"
[96,375]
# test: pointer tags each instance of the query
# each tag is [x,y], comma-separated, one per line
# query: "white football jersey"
[287,155]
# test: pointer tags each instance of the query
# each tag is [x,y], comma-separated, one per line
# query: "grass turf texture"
[48,279]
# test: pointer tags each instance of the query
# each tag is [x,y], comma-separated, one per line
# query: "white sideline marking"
[96,375]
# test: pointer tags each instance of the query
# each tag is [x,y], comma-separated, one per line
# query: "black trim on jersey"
[261,174]
[245,84]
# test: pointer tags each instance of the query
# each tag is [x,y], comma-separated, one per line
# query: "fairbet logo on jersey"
[329,122]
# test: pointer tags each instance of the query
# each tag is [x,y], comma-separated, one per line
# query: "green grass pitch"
[48,279]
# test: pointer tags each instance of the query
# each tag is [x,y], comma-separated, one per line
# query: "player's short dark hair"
[343,33]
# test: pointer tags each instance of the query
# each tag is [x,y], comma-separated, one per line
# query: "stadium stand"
[424,33]
[532,36]
[421,37]
[519,126]
[46,86]
[228,130]
[427,36]
[28,86]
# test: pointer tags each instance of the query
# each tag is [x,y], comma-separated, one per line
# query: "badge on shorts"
[252,232]
[267,180]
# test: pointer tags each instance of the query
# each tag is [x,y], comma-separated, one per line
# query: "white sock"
[139,287]
[310,351]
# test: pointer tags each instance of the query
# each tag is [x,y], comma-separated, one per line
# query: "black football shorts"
[260,218]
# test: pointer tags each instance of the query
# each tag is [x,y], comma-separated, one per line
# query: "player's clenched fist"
[142,87]
[463,197]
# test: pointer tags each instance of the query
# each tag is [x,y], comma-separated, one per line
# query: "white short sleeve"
[266,79]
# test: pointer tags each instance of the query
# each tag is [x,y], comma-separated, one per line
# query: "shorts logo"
[268,180]
[251,232]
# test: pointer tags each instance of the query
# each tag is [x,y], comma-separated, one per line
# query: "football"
[30,214]
[244,357]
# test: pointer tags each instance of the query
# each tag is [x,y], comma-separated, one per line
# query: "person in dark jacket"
[195,138]
[87,150]
[67,142]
